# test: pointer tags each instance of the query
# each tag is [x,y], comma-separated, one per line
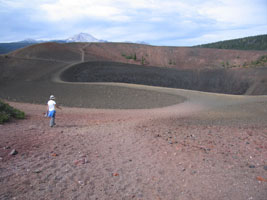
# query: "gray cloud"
[158,22]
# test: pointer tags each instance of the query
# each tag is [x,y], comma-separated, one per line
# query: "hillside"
[248,43]
[145,55]
[49,51]
[229,81]
[171,57]
[8,47]
[78,38]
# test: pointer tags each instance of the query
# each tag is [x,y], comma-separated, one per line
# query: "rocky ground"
[192,150]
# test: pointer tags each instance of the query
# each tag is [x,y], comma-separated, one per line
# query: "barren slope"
[50,51]
[228,81]
[173,57]
[202,69]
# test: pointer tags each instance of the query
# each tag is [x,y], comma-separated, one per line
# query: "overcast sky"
[157,22]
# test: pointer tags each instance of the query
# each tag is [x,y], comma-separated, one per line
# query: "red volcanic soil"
[172,57]
[200,149]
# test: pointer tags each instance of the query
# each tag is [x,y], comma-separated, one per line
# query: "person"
[51,110]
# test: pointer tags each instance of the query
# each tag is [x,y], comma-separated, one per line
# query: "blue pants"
[52,115]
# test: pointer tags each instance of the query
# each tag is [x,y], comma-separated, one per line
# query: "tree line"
[248,43]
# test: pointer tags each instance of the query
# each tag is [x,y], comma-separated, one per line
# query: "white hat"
[52,97]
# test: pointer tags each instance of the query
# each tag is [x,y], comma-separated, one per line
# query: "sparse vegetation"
[131,56]
[7,112]
[260,62]
[171,62]
[134,57]
[226,64]
[143,60]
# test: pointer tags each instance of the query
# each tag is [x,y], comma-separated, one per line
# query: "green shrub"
[129,56]
[261,61]
[143,60]
[4,117]
[6,112]
[18,114]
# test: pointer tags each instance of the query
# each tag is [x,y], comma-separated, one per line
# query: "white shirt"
[51,105]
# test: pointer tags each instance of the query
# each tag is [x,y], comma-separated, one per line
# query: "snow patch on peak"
[82,37]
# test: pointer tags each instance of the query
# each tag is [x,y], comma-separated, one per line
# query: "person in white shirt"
[51,110]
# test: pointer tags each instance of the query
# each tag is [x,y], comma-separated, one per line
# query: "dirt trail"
[176,152]
[83,51]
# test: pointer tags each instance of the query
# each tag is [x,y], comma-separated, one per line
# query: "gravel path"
[209,147]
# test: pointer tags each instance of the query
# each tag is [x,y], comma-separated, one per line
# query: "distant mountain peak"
[29,40]
[142,42]
[82,37]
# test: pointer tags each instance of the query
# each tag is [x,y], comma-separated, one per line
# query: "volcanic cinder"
[138,122]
